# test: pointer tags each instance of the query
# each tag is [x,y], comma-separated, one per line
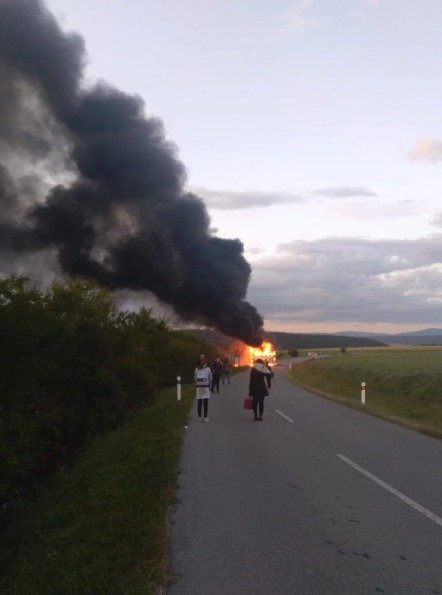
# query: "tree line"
[74,365]
[318,341]
[285,341]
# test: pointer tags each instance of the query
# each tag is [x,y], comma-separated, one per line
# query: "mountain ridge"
[284,340]
[430,336]
[421,333]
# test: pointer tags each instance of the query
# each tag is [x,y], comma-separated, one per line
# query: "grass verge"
[398,390]
[101,527]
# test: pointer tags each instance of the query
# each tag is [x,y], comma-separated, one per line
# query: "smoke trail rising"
[85,174]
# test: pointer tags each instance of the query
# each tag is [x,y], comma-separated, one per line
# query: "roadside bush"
[73,366]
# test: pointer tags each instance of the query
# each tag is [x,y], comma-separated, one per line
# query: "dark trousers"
[202,402]
[215,383]
[258,406]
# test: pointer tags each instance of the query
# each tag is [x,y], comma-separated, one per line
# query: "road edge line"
[433,517]
[286,417]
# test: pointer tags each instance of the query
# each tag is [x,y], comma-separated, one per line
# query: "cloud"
[295,17]
[234,200]
[426,149]
[437,221]
[343,191]
[255,250]
[351,280]
[373,209]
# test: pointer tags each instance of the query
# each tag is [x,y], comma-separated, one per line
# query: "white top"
[203,380]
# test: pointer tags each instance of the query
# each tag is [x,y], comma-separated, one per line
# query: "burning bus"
[241,354]
[266,352]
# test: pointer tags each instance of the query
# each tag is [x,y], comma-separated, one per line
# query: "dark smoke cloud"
[120,214]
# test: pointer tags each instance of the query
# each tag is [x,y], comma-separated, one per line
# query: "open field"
[389,348]
[101,527]
[403,384]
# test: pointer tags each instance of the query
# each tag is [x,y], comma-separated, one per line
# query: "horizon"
[134,302]
[420,330]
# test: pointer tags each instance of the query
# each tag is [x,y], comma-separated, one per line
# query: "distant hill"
[425,333]
[359,334]
[290,340]
[430,336]
[319,341]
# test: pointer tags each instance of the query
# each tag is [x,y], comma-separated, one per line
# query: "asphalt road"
[278,506]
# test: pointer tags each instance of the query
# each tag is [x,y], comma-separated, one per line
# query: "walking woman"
[258,387]
[203,380]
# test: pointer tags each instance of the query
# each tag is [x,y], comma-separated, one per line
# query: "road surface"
[315,499]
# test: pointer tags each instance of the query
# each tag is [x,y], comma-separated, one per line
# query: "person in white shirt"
[203,381]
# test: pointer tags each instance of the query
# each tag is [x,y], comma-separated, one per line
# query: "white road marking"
[436,519]
[284,416]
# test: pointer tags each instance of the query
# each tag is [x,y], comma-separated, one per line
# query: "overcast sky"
[312,130]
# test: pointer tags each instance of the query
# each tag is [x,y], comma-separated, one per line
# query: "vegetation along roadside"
[90,431]
[101,527]
[403,385]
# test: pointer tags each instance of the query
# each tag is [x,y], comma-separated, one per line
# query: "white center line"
[436,519]
[284,416]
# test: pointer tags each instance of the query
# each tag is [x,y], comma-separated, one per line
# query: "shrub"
[74,366]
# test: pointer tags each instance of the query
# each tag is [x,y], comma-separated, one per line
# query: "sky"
[312,131]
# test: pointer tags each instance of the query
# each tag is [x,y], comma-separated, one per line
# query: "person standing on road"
[217,370]
[268,376]
[203,379]
[258,387]
[227,370]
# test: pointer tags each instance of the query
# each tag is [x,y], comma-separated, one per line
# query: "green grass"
[101,527]
[403,385]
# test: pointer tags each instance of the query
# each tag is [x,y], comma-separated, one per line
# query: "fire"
[265,352]
[241,354]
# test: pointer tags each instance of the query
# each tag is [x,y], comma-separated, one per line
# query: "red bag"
[248,403]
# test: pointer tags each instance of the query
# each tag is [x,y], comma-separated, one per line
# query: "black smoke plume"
[120,214]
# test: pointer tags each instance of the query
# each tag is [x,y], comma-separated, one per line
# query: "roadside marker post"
[178,388]
[363,387]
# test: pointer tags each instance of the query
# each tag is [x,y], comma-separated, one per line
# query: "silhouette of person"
[258,387]
[217,370]
[227,370]
[203,379]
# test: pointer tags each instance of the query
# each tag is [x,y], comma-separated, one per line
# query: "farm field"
[403,384]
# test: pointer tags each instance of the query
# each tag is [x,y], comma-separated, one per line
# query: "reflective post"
[363,386]
[178,388]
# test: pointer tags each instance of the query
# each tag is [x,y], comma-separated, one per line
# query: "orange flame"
[265,352]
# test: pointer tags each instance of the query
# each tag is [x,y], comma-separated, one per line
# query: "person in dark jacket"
[258,387]
[268,376]
[227,370]
[216,369]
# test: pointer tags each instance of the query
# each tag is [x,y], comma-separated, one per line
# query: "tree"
[73,366]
